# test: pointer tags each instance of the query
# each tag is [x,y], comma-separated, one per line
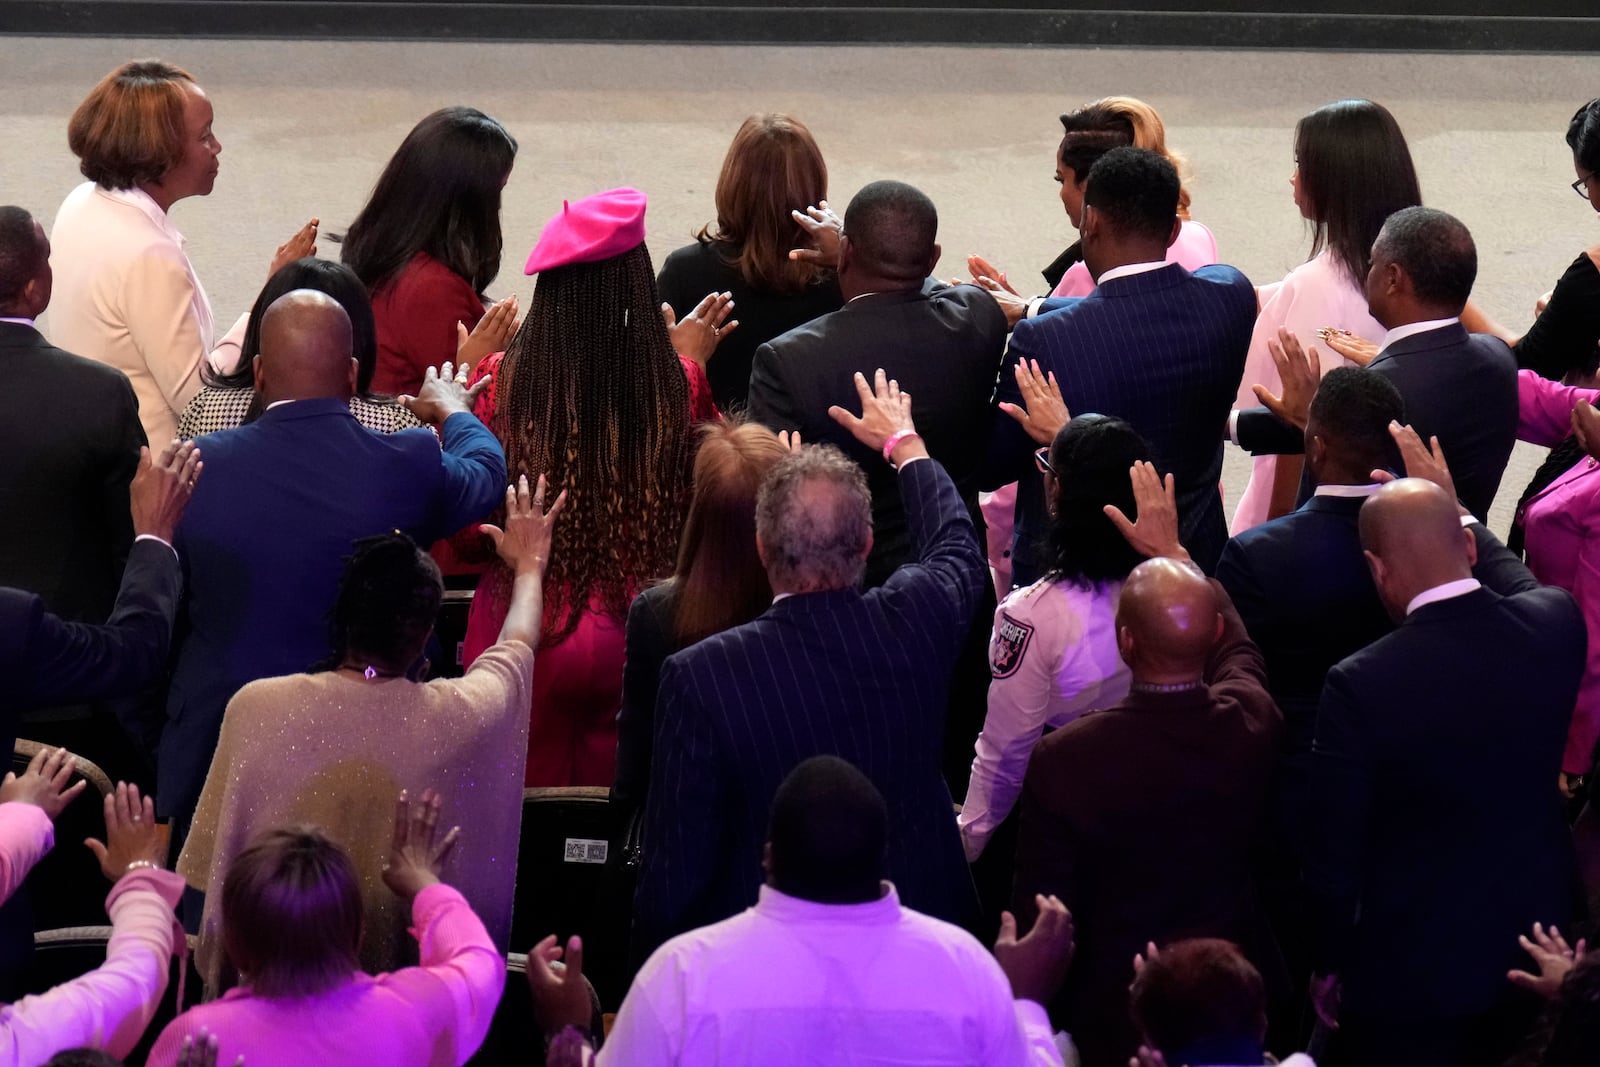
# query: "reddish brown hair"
[130,128]
[772,168]
[291,914]
[720,580]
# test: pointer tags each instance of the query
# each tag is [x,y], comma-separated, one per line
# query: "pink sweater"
[109,1007]
[435,1015]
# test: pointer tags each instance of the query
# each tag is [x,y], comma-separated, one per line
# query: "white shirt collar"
[1447,591]
[1348,490]
[19,322]
[1400,333]
[1127,270]
[138,198]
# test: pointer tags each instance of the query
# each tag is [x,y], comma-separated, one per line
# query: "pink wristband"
[894,439]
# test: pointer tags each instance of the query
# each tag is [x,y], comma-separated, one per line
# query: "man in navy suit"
[1438,827]
[1458,387]
[1153,344]
[266,536]
[827,670]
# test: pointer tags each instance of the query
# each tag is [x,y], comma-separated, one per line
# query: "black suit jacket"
[942,344]
[1438,830]
[859,675]
[649,642]
[70,453]
[1458,387]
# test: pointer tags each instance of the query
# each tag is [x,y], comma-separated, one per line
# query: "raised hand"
[1156,501]
[301,245]
[44,783]
[1147,1057]
[1150,954]
[444,393]
[1044,410]
[983,272]
[414,858]
[1300,370]
[1554,958]
[1325,997]
[560,995]
[885,413]
[790,439]
[134,840]
[524,544]
[1586,427]
[698,333]
[823,226]
[569,1048]
[1037,964]
[492,333]
[1420,461]
[200,1050]
[161,488]
[1357,350]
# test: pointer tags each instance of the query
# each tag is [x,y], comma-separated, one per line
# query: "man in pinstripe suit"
[827,670]
[1153,344]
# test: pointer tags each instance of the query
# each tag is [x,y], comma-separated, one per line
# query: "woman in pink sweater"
[109,1007]
[292,927]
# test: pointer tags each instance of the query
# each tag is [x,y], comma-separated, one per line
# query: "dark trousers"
[1484,1039]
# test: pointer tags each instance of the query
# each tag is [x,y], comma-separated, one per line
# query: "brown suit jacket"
[1145,819]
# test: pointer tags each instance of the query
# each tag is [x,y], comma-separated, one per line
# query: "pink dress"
[1194,248]
[433,1015]
[1315,294]
[1562,526]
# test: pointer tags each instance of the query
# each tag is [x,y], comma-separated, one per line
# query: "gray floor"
[307,125]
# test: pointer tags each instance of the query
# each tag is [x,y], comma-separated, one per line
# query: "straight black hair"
[1583,136]
[1091,455]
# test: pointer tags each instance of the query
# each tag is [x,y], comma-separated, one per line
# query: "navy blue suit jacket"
[859,675]
[1163,350]
[1438,831]
[264,543]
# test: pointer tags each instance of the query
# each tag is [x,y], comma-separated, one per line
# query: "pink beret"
[589,230]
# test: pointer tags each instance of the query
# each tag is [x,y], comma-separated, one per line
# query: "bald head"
[1411,532]
[306,349]
[1167,622]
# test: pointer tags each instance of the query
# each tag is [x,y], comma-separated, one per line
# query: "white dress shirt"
[1447,591]
[1052,657]
[1411,329]
[792,983]
[125,294]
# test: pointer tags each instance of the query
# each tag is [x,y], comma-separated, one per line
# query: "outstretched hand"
[824,226]
[697,335]
[1357,350]
[1044,410]
[560,994]
[524,544]
[133,837]
[1156,502]
[1420,461]
[1147,1057]
[414,859]
[885,412]
[1300,370]
[1037,964]
[200,1050]
[492,333]
[1554,958]
[444,393]
[44,783]
[301,245]
[161,488]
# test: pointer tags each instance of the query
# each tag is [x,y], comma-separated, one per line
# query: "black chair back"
[66,888]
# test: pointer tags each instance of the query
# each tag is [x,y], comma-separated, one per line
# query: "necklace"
[1174,687]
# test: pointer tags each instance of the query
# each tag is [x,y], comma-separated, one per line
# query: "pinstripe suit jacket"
[1164,350]
[859,675]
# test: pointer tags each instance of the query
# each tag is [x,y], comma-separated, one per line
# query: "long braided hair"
[592,395]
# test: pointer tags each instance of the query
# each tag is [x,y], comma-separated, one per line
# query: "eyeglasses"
[1581,186]
[1041,459]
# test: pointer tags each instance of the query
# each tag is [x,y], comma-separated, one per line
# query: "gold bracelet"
[141,864]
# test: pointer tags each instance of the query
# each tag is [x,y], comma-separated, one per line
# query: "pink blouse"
[1194,248]
[1562,526]
[434,1015]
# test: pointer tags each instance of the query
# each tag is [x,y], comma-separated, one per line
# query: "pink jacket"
[1562,525]
[435,1015]
[109,1007]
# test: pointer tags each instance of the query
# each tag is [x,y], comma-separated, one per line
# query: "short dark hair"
[322,276]
[440,194]
[387,602]
[1136,191]
[829,833]
[1195,993]
[130,127]
[22,255]
[292,913]
[1437,253]
[83,1057]
[1355,171]
[1352,411]
[893,228]
[1088,134]
[1583,136]
[1092,454]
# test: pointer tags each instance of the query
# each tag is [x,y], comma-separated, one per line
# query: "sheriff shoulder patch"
[1008,645]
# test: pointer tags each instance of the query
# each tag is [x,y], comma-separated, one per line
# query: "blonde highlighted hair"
[1116,121]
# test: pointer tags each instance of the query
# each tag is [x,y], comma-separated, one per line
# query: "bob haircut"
[1092,454]
[130,129]
[439,194]
[772,167]
[323,276]
[1355,171]
[720,581]
[291,914]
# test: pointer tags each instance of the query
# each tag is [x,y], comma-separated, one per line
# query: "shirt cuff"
[912,460]
[1034,305]
[1233,425]
[1468,520]
[161,540]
